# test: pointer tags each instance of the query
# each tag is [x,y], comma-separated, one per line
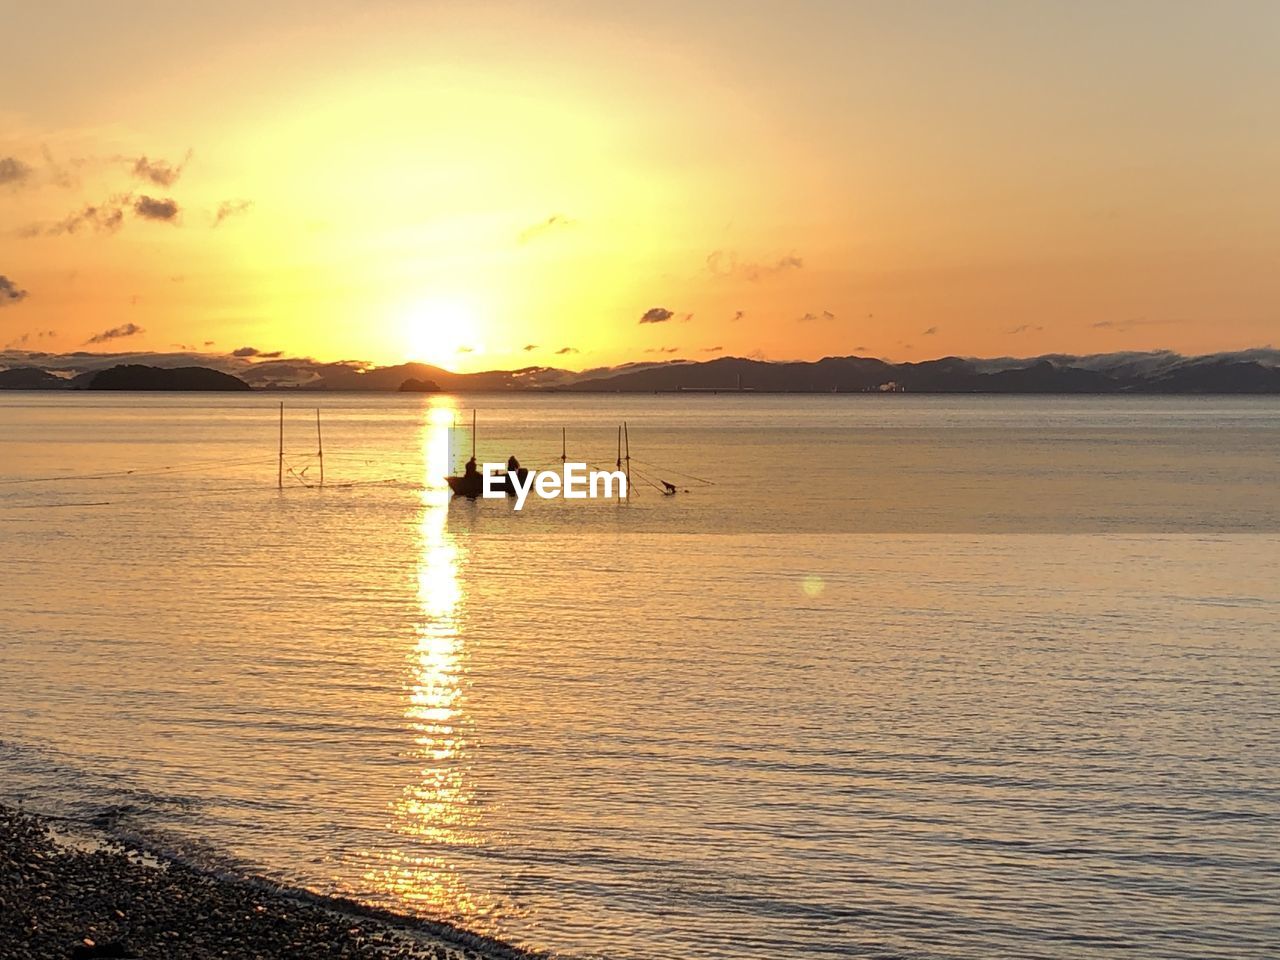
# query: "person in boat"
[513,465]
[470,469]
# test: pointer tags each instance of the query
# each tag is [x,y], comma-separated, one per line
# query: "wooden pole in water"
[319,446]
[627,435]
[563,450]
[280,463]
[473,433]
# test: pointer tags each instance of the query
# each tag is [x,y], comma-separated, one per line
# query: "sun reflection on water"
[437,811]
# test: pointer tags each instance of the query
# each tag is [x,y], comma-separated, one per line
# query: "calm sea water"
[915,677]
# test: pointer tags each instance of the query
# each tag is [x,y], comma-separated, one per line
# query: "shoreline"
[105,899]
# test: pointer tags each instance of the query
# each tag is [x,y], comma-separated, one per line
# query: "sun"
[442,331]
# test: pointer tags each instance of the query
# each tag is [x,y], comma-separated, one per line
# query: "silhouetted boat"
[471,485]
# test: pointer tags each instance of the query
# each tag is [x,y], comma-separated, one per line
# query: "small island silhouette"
[414,385]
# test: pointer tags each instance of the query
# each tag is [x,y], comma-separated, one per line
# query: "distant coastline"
[1242,372]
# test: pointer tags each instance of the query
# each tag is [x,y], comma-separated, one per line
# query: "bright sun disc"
[441,332]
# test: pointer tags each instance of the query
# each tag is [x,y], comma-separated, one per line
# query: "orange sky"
[455,182]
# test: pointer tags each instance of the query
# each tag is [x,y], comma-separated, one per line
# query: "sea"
[887,676]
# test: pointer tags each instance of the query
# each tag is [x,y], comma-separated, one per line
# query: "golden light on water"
[436,811]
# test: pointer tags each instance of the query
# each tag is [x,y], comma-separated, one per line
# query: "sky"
[575,184]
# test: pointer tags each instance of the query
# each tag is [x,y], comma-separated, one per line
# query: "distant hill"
[31,378]
[1254,371]
[947,375]
[138,377]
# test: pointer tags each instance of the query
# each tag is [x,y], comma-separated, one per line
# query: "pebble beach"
[58,900]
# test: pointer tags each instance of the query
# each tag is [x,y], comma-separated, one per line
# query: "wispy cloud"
[10,293]
[159,172]
[712,349]
[931,331]
[58,174]
[105,217]
[1025,328]
[738,315]
[149,208]
[115,333]
[528,347]
[30,339]
[1130,323]
[722,263]
[13,171]
[811,317]
[230,208]
[554,222]
[564,351]
[663,350]
[656,315]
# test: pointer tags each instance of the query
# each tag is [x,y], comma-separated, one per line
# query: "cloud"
[115,333]
[159,172]
[1025,328]
[929,332]
[811,317]
[566,350]
[13,170]
[57,173]
[656,315]
[723,263]
[9,292]
[466,350]
[30,338]
[529,346]
[739,315]
[208,343]
[663,350]
[553,222]
[712,349]
[230,208]
[105,217]
[245,352]
[151,209]
[1129,324]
